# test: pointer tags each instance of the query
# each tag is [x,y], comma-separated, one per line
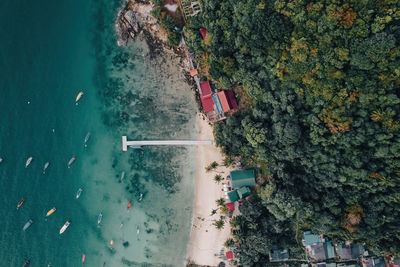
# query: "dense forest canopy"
[322,80]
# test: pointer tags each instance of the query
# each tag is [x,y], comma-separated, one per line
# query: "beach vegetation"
[229,243]
[213,212]
[218,178]
[220,202]
[219,224]
[229,161]
[323,117]
[224,210]
[212,166]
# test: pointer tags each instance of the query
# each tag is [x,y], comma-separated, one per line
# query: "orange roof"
[224,101]
[193,72]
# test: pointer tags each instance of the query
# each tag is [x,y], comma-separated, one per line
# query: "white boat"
[78,194]
[28,161]
[46,165]
[1,160]
[122,176]
[141,197]
[65,226]
[28,224]
[71,161]
[79,96]
[87,137]
[100,218]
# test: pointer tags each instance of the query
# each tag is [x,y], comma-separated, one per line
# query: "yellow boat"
[50,212]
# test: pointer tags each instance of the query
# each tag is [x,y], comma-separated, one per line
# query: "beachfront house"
[317,247]
[373,262]
[216,104]
[278,254]
[240,181]
[349,251]
[241,178]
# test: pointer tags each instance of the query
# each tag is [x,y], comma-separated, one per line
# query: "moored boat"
[87,137]
[129,205]
[28,224]
[20,203]
[78,194]
[50,211]
[71,161]
[79,96]
[26,264]
[99,218]
[28,161]
[1,160]
[46,165]
[65,226]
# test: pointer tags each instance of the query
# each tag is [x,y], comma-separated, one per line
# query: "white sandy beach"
[206,241]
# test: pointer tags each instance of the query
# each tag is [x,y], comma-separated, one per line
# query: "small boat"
[1,160]
[87,137]
[50,211]
[27,225]
[46,165]
[122,176]
[129,205]
[71,161]
[26,264]
[99,218]
[65,226]
[83,258]
[21,203]
[112,243]
[141,197]
[79,96]
[78,194]
[137,230]
[28,161]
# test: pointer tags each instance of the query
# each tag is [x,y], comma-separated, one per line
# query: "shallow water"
[51,50]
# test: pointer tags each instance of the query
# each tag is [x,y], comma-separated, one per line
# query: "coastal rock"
[136,17]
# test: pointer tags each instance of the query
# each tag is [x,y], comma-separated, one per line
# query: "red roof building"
[229,255]
[207,102]
[205,88]
[228,101]
[230,206]
[203,32]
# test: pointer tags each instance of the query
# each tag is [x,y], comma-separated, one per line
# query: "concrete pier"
[126,143]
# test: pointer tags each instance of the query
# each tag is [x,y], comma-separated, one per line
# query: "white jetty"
[138,144]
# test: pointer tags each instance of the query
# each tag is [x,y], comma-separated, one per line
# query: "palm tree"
[213,165]
[229,243]
[229,161]
[213,212]
[219,224]
[224,210]
[218,178]
[220,202]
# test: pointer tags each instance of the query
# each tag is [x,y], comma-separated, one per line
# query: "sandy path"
[206,241]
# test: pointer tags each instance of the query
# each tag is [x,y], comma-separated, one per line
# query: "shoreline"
[206,241]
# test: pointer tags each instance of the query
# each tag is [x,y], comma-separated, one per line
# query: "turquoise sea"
[49,51]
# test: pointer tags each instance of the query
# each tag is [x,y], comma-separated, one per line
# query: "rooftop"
[240,178]
[205,88]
